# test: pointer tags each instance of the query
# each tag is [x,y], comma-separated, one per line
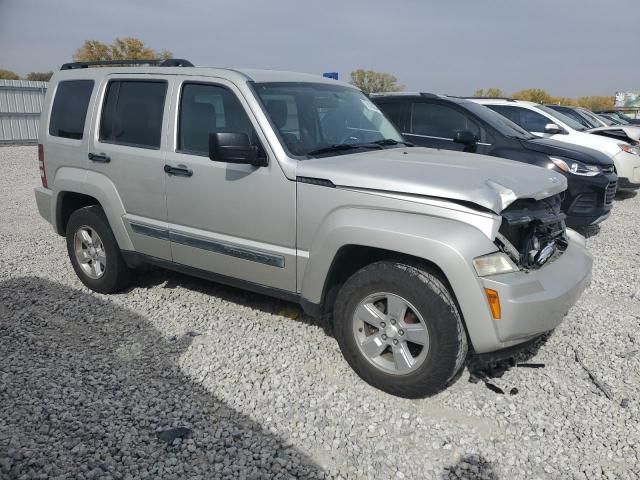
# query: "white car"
[594,124]
[545,122]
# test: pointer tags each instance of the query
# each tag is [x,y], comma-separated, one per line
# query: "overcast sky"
[569,47]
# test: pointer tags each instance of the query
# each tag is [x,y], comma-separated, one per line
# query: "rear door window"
[399,114]
[69,109]
[528,119]
[132,113]
[441,121]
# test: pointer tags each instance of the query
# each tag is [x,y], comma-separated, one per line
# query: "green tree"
[597,103]
[40,76]
[571,102]
[537,95]
[125,48]
[370,81]
[490,92]
[8,75]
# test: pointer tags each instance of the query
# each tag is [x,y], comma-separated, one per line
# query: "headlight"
[575,167]
[494,264]
[625,147]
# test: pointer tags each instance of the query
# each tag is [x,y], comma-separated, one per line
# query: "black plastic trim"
[169,62]
[155,232]
[316,181]
[232,250]
[135,259]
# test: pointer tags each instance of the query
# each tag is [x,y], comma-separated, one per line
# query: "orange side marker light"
[494,303]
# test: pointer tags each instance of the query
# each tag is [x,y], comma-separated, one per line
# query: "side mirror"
[552,129]
[234,148]
[465,137]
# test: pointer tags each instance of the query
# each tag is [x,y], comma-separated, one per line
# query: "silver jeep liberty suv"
[298,187]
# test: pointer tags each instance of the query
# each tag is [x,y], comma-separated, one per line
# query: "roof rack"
[404,94]
[169,62]
[490,98]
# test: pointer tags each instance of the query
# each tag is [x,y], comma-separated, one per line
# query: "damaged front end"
[533,232]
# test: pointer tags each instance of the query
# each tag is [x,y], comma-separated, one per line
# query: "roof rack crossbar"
[490,98]
[170,62]
[404,94]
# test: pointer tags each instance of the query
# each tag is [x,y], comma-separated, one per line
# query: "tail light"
[43,174]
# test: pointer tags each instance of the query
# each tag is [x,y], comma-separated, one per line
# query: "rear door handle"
[99,157]
[180,170]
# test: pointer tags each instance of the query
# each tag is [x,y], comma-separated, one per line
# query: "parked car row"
[299,187]
[531,116]
[596,160]
[619,118]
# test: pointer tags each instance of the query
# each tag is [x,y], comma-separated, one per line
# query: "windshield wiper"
[391,141]
[342,147]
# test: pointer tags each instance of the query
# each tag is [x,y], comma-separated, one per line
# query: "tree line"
[369,81]
[539,95]
[94,51]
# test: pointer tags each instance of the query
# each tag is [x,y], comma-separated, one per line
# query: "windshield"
[570,122]
[607,120]
[502,124]
[317,118]
[621,117]
[591,117]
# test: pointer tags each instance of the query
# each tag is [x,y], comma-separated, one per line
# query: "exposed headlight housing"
[494,264]
[625,147]
[574,167]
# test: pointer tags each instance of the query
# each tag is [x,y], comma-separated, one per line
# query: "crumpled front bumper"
[535,302]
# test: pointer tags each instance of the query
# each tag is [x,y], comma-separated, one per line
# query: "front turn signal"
[494,303]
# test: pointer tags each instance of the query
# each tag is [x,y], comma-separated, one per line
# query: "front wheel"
[400,329]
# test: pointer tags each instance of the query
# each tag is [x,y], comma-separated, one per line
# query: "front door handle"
[99,157]
[180,170]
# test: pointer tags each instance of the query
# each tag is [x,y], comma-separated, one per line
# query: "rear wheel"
[94,252]
[400,329]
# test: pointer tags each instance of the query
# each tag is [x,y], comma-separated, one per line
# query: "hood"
[632,132]
[489,182]
[606,145]
[550,146]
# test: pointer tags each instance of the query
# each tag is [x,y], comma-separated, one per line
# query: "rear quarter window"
[69,109]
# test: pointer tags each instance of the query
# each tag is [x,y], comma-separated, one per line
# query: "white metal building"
[20,107]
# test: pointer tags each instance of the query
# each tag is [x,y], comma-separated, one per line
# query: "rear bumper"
[624,184]
[628,167]
[589,200]
[536,302]
[44,200]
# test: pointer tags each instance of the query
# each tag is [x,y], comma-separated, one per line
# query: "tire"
[402,369]
[115,275]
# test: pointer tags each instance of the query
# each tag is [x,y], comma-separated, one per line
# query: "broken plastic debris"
[593,378]
[494,388]
[531,365]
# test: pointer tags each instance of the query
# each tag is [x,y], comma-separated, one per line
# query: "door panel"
[230,219]
[127,147]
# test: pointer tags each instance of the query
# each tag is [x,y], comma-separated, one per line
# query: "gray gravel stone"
[88,382]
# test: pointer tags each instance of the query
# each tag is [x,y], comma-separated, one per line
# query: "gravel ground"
[95,386]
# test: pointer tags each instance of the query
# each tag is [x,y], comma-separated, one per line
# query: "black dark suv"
[454,123]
